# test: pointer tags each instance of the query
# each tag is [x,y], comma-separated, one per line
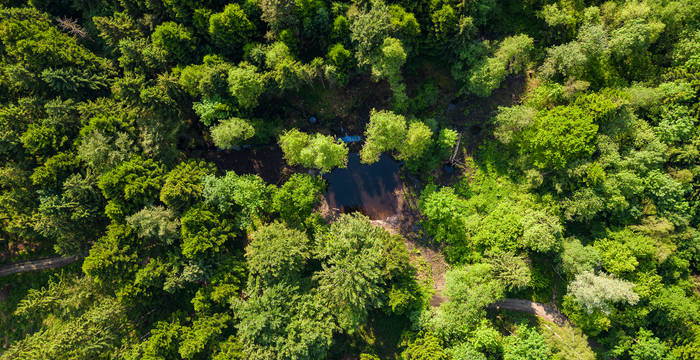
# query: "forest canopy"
[177,153]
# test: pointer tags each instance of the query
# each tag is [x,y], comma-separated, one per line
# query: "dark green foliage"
[230,30]
[175,40]
[276,254]
[130,186]
[183,185]
[204,233]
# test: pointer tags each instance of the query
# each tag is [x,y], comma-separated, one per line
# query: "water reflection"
[370,189]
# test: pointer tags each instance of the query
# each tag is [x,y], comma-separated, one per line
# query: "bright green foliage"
[211,110]
[296,199]
[447,139]
[559,136]
[131,186]
[318,151]
[231,133]
[113,258]
[199,339]
[510,58]
[246,85]
[163,341]
[56,169]
[648,347]
[175,40]
[526,344]
[426,347]
[89,333]
[388,63]
[279,324]
[276,254]
[351,278]
[230,29]
[204,233]
[369,30]
[511,270]
[341,59]
[469,289]
[390,60]
[293,142]
[386,131]
[417,143]
[183,185]
[246,193]
[576,258]
[443,210]
[444,23]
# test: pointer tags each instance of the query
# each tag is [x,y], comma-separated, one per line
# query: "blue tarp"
[349,139]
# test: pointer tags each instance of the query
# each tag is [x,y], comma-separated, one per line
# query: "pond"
[370,189]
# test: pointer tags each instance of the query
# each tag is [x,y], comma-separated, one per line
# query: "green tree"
[341,59]
[368,30]
[183,185]
[156,225]
[526,344]
[648,347]
[444,211]
[204,233]
[599,292]
[386,131]
[131,186]
[114,258]
[230,133]
[417,143]
[350,281]
[297,198]
[559,136]
[469,289]
[276,254]
[175,40]
[425,347]
[387,63]
[245,193]
[201,338]
[319,151]
[230,30]
[246,85]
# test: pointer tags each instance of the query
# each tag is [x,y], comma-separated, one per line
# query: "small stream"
[369,189]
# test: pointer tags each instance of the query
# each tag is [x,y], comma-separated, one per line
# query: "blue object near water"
[313,119]
[349,139]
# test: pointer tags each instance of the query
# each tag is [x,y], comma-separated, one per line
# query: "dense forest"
[178,151]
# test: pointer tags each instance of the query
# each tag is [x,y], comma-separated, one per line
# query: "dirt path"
[545,311]
[34,265]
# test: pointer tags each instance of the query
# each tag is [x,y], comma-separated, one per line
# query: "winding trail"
[40,264]
[545,311]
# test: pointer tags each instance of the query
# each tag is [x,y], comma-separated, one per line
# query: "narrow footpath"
[545,311]
[40,264]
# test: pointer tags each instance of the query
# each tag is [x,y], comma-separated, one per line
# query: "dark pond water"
[369,189]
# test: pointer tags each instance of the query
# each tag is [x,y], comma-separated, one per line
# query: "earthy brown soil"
[545,311]
[266,161]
